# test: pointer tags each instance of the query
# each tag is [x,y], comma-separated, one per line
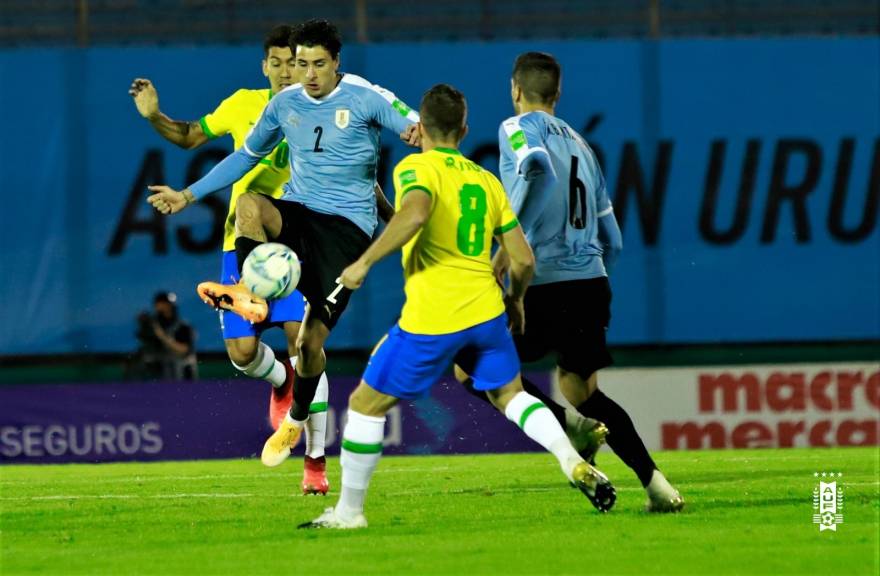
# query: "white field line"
[477,491]
[127,496]
[280,474]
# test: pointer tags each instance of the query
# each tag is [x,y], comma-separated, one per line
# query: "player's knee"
[500,397]
[241,353]
[247,212]
[307,348]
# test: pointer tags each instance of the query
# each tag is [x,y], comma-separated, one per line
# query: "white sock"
[660,486]
[361,450]
[539,424]
[265,367]
[316,425]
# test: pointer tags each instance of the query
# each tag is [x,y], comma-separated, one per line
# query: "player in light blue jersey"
[557,189]
[327,214]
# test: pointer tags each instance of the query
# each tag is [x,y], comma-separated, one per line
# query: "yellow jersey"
[236,116]
[447,266]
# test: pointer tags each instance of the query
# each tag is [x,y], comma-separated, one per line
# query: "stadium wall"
[767,406]
[745,174]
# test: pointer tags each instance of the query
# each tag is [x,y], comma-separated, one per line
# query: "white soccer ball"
[271,271]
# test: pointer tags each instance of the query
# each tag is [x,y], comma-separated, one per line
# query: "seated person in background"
[167,343]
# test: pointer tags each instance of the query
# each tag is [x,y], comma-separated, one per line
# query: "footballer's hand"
[167,200]
[353,276]
[145,97]
[515,314]
[500,266]
[411,135]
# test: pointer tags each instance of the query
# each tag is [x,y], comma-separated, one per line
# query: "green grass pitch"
[749,512]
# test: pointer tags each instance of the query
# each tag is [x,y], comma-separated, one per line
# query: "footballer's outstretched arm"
[260,142]
[187,135]
[415,208]
[229,171]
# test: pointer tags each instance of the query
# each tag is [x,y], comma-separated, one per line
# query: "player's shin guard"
[361,450]
[316,426]
[540,425]
[303,395]
[264,366]
[622,436]
[243,247]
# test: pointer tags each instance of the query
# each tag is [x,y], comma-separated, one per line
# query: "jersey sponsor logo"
[293,120]
[517,140]
[407,177]
[343,115]
[402,108]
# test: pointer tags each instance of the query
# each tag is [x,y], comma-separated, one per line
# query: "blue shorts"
[290,309]
[406,365]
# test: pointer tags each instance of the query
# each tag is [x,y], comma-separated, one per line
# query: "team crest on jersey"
[343,115]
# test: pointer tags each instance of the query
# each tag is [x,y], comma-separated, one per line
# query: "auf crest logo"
[828,502]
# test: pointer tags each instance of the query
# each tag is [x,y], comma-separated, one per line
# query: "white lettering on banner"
[99,438]
[751,406]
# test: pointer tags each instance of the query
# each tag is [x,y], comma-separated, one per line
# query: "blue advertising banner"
[112,422]
[745,175]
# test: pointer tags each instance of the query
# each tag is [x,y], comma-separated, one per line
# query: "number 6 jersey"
[565,235]
[447,266]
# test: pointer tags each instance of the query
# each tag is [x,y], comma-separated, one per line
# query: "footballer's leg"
[539,424]
[586,434]
[314,465]
[256,220]
[359,455]
[254,358]
[623,438]
[492,361]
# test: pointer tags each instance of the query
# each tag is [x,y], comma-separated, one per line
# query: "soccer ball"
[271,271]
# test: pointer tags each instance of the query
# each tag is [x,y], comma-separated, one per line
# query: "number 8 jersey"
[565,235]
[447,266]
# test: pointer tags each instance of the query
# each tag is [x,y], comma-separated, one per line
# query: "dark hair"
[317,33]
[537,74]
[167,297]
[278,37]
[443,111]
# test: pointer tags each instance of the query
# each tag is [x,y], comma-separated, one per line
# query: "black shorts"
[569,319]
[325,244]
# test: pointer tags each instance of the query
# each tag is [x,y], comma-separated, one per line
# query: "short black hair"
[278,37]
[317,33]
[538,75]
[443,111]
[167,297]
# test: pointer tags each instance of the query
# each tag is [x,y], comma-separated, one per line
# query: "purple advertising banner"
[114,422]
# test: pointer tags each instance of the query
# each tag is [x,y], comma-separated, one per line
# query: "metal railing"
[91,22]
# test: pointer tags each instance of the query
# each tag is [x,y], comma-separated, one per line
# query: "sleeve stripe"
[204,124]
[506,227]
[415,187]
[605,212]
[249,152]
[389,96]
[511,127]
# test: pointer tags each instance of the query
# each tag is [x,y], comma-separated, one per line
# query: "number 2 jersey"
[565,235]
[334,144]
[235,116]
[447,266]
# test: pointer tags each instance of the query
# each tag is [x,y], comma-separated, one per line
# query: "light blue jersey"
[334,147]
[334,144]
[564,236]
